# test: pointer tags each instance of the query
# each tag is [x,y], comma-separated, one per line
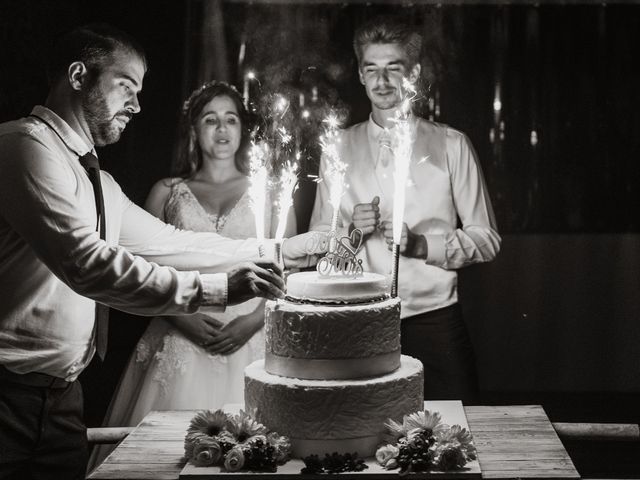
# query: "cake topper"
[342,258]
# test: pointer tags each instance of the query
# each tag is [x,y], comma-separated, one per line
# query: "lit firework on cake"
[404,133]
[341,254]
[335,173]
[286,185]
[258,188]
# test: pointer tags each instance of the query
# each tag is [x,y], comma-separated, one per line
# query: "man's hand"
[248,280]
[411,244]
[366,216]
[304,250]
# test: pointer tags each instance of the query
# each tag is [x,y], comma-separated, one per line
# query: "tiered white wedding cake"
[333,373]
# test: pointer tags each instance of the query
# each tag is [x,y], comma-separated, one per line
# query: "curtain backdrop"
[558,310]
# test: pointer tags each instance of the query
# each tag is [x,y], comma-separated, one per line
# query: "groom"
[69,238]
[446,185]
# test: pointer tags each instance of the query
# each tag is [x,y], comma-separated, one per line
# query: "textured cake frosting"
[332,342]
[333,374]
[336,288]
[324,416]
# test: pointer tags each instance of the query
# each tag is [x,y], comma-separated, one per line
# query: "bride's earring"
[192,141]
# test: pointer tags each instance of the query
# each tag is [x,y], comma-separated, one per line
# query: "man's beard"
[104,128]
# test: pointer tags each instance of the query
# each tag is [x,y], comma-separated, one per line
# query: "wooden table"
[512,442]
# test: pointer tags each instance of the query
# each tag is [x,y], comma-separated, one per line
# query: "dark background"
[555,319]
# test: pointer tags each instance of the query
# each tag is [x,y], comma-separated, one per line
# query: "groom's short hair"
[92,44]
[388,29]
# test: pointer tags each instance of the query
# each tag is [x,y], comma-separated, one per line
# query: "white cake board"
[451,411]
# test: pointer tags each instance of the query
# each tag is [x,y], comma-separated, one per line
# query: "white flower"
[456,436]
[244,427]
[190,442]
[424,420]
[234,459]
[413,424]
[211,423]
[395,431]
[206,452]
[386,456]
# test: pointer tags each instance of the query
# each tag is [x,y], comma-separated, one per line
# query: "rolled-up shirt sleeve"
[478,239]
[145,235]
[38,199]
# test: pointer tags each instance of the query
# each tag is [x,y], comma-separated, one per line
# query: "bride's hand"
[236,333]
[198,328]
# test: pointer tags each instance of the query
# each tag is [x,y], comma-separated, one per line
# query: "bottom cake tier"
[326,416]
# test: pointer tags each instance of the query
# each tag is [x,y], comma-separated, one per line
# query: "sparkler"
[285,136]
[258,188]
[404,135]
[287,185]
[336,170]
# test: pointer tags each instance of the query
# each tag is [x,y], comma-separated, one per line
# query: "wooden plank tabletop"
[512,442]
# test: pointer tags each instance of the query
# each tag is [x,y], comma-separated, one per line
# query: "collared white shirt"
[54,266]
[445,183]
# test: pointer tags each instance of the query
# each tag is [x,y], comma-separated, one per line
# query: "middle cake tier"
[319,342]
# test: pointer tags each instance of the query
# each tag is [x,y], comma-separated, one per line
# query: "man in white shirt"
[65,245]
[445,186]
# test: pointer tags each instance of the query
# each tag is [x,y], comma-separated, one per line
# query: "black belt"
[33,379]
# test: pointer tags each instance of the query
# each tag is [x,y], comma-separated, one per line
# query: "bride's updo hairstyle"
[189,158]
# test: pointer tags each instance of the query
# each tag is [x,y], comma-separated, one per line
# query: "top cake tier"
[337,288]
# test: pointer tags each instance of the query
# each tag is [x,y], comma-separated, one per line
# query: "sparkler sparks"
[288,182]
[404,133]
[336,168]
[258,153]
[285,136]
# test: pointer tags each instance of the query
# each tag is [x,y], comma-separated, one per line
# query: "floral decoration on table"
[423,442]
[334,463]
[234,442]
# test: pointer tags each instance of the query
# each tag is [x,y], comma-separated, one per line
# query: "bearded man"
[70,239]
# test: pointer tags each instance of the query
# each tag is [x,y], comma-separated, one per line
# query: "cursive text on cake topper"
[343,258]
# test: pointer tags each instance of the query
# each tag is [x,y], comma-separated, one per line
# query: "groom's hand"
[248,280]
[411,244]
[366,216]
[303,250]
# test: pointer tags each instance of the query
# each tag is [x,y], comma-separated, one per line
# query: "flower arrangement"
[423,442]
[234,442]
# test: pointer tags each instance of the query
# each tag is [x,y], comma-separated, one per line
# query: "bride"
[197,361]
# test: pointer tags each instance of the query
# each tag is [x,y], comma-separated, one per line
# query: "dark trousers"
[42,432]
[440,340]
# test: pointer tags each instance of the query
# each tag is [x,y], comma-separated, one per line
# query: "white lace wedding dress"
[168,372]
